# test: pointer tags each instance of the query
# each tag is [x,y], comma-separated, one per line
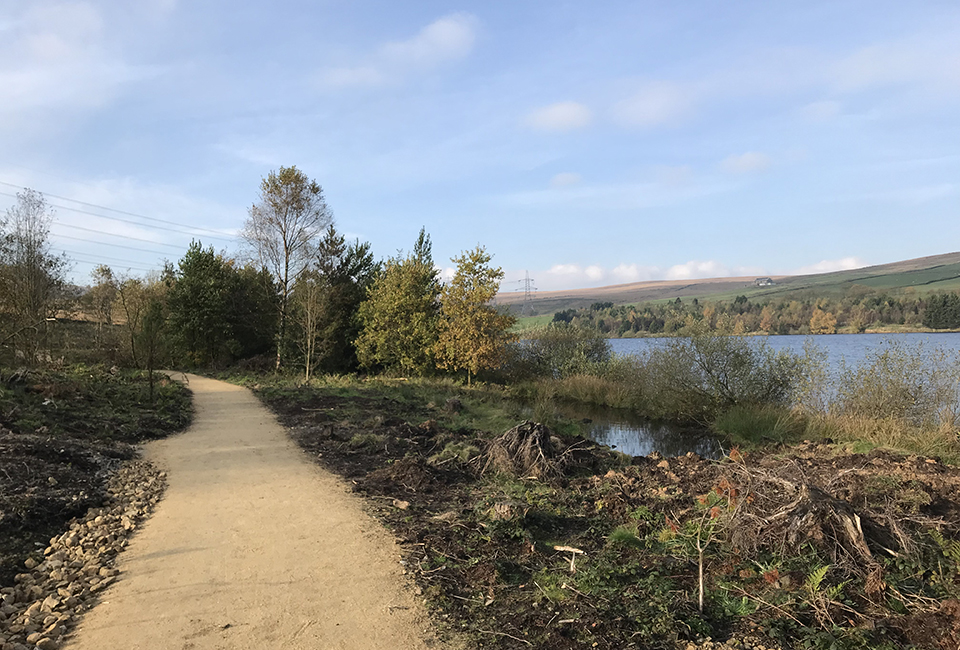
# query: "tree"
[399,317]
[135,296]
[151,336]
[325,303]
[100,299]
[252,303]
[308,299]
[768,319]
[31,276]
[823,322]
[199,305]
[942,311]
[473,335]
[282,228]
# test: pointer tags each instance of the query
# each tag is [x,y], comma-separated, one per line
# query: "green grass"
[90,402]
[527,323]
[484,407]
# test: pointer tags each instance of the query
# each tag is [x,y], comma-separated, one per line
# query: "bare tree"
[309,298]
[101,298]
[31,276]
[282,228]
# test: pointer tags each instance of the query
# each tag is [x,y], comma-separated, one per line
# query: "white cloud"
[359,76]
[565,269]
[445,40]
[930,61]
[656,104]
[446,273]
[569,276]
[751,161]
[829,266]
[562,116]
[594,273]
[821,111]
[674,175]
[696,269]
[565,179]
[670,186]
[55,56]
[625,273]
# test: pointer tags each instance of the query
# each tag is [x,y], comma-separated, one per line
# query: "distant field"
[924,275]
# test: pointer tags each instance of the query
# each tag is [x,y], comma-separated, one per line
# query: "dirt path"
[252,547]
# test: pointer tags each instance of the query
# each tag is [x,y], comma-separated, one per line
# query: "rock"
[402,505]
[46,600]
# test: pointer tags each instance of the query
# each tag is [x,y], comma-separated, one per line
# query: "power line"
[103,243]
[102,257]
[129,214]
[108,234]
[135,223]
[126,266]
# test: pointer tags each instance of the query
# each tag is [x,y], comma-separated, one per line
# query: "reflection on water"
[635,436]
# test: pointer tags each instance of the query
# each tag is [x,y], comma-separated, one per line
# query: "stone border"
[50,597]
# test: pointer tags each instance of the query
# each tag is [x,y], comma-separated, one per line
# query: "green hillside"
[922,275]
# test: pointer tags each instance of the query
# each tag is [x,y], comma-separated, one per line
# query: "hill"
[924,274]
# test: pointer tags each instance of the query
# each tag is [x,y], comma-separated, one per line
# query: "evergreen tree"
[200,306]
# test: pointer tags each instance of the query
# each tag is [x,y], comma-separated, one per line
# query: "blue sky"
[587,143]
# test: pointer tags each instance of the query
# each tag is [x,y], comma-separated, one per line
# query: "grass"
[483,406]
[93,403]
[762,427]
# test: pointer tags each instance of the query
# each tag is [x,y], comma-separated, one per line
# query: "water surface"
[633,435]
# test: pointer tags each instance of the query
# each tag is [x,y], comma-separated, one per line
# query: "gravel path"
[252,547]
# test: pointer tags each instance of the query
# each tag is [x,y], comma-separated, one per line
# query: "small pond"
[635,436]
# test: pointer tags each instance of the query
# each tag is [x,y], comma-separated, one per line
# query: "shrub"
[697,377]
[560,350]
[901,383]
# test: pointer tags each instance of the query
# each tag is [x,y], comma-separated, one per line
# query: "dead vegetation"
[811,546]
[525,451]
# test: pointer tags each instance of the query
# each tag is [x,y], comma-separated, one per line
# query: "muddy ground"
[802,547]
[62,435]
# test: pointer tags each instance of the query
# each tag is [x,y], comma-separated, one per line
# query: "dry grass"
[891,433]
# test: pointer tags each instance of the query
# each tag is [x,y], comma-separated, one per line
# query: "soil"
[44,482]
[488,550]
[62,435]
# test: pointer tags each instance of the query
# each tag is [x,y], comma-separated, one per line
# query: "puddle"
[636,436]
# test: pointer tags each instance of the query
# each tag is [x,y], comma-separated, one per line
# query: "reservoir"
[635,436]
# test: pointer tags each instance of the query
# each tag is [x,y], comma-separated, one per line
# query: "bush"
[901,383]
[561,350]
[697,377]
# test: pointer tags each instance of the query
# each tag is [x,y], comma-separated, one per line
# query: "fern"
[815,579]
[949,547]
[834,592]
